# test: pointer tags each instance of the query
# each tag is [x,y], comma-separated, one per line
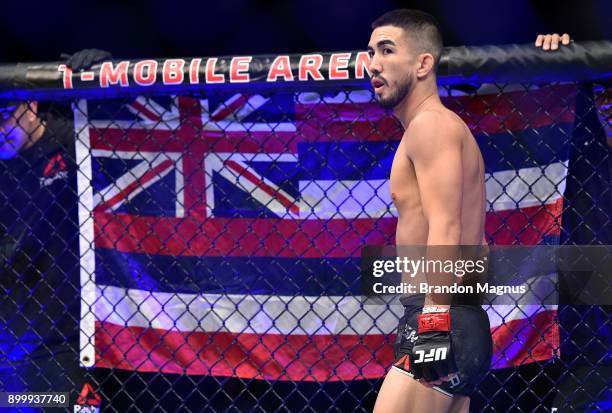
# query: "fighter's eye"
[387,51]
[371,53]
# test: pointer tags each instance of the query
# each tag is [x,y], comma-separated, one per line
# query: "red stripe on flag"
[136,140]
[526,340]
[187,140]
[294,238]
[524,226]
[270,356]
[489,113]
[321,130]
[515,111]
[241,237]
[294,357]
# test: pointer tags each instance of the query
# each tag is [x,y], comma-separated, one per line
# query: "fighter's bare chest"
[403,183]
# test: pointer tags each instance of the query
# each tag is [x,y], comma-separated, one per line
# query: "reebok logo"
[88,401]
[54,170]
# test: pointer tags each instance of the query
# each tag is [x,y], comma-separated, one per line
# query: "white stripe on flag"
[506,190]
[541,289]
[503,314]
[330,199]
[263,314]
[235,313]
[526,187]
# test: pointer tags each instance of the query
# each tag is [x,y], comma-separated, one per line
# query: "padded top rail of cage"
[580,61]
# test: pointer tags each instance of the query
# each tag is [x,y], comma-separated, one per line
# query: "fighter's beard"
[396,97]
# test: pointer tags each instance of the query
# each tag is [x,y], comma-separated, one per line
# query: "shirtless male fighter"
[437,185]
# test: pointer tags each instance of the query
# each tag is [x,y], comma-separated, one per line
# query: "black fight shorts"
[471,341]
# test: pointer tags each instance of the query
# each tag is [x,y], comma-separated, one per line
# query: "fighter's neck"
[414,102]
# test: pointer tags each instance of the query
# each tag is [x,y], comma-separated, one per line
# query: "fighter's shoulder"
[435,125]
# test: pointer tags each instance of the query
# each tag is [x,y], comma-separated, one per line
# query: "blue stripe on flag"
[229,275]
[372,160]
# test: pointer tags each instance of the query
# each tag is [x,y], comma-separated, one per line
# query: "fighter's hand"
[551,41]
[84,59]
[432,360]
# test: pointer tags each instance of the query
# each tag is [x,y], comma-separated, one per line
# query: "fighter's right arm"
[435,145]
[435,150]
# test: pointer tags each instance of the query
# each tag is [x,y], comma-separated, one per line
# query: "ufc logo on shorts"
[434,354]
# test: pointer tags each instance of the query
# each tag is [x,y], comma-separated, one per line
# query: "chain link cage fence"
[185,235]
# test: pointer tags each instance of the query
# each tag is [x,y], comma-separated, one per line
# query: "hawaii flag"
[221,235]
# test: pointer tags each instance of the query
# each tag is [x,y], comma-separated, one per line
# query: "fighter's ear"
[426,65]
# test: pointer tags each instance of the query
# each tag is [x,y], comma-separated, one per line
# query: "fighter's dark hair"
[421,27]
